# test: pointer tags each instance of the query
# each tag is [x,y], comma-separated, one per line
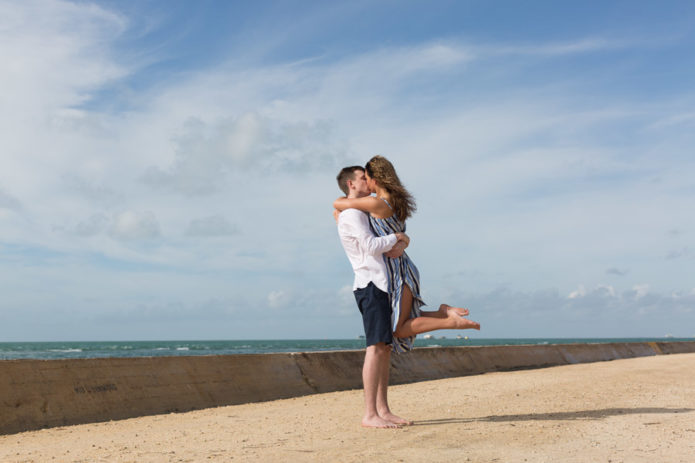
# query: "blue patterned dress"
[400,271]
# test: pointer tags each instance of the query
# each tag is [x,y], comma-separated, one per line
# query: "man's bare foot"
[460,323]
[395,419]
[378,422]
[460,311]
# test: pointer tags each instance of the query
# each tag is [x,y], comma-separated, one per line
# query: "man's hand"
[403,237]
[397,250]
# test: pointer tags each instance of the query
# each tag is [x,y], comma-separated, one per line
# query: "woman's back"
[386,226]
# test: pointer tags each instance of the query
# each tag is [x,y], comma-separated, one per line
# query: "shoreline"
[59,350]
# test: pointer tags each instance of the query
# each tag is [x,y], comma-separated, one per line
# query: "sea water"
[101,349]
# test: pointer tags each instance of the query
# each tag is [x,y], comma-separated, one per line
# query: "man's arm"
[357,225]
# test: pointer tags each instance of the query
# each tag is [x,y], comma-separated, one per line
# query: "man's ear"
[350,184]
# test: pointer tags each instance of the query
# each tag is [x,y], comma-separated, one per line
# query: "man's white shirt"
[364,249]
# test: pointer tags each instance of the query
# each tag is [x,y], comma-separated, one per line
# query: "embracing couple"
[387,283]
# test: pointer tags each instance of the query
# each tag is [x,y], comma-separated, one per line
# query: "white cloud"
[601,312]
[602,290]
[606,289]
[277,299]
[640,291]
[579,292]
[346,301]
[207,152]
[131,226]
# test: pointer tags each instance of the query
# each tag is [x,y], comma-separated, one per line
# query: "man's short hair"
[347,173]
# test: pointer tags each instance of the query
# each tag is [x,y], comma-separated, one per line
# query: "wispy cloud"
[679,253]
[617,271]
[585,45]
[683,119]
[56,53]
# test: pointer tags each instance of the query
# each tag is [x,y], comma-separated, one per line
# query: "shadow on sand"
[559,416]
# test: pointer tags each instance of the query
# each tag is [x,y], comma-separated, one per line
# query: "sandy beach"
[630,410]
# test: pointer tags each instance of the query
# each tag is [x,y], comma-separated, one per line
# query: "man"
[364,250]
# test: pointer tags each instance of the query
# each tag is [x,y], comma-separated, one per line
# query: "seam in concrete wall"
[655,346]
[306,378]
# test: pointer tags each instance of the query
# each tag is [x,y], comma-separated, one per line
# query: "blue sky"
[168,167]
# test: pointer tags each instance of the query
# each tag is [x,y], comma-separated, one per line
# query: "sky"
[167,168]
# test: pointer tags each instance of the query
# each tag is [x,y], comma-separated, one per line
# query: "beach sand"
[629,410]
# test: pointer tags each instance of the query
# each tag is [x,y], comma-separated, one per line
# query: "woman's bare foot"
[395,419]
[378,422]
[460,311]
[460,323]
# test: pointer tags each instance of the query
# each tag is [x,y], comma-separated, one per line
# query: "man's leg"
[372,375]
[382,404]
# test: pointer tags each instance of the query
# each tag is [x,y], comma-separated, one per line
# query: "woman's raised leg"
[407,326]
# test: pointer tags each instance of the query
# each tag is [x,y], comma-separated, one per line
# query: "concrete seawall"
[35,394]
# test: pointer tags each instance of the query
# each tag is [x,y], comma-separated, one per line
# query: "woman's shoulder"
[382,208]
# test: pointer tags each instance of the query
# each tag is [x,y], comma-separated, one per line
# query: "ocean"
[101,349]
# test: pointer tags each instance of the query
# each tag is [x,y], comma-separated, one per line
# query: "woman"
[388,211]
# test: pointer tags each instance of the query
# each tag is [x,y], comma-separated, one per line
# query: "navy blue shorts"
[376,314]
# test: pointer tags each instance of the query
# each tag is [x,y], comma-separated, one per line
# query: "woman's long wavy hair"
[380,169]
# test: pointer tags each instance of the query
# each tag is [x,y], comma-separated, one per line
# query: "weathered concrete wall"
[45,393]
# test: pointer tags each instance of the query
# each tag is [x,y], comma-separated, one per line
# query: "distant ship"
[428,336]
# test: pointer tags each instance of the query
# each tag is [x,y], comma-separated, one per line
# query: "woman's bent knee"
[379,346]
